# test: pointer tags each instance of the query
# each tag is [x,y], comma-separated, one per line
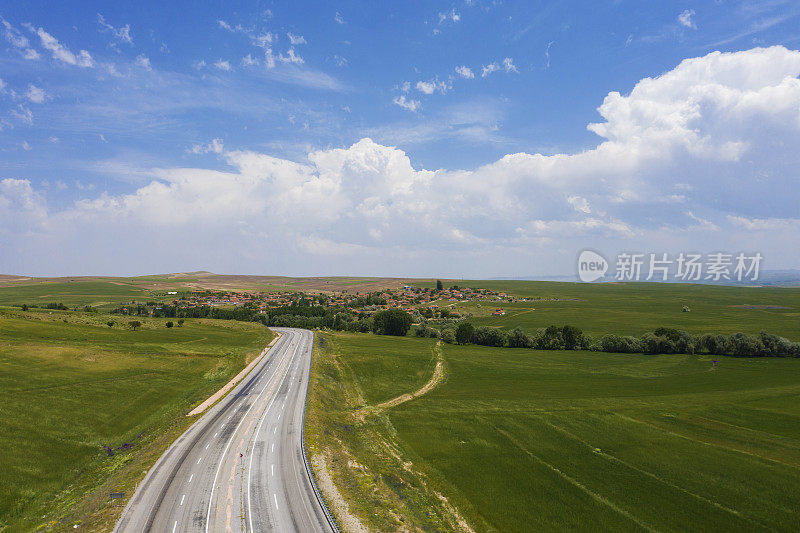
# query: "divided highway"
[240,467]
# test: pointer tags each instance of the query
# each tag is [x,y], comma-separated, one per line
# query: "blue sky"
[112,113]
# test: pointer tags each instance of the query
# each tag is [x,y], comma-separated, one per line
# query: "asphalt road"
[240,466]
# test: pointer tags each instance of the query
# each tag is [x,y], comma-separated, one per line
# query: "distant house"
[498,312]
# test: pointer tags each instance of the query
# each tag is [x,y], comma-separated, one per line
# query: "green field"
[636,308]
[71,386]
[521,440]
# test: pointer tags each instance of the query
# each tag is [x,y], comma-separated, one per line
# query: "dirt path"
[436,378]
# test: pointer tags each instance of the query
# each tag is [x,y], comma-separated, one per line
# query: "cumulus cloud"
[507,65]
[223,65]
[35,94]
[121,34]
[451,16]
[431,86]
[143,61]
[62,53]
[685,19]
[214,147]
[465,72]
[719,131]
[408,104]
[296,39]
[338,18]
[18,40]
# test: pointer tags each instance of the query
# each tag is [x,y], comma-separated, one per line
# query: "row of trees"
[660,341]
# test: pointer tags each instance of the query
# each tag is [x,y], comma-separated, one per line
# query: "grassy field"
[521,440]
[635,308]
[86,409]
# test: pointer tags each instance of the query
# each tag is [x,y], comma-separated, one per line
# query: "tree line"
[660,341]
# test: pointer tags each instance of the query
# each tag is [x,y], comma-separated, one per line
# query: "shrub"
[486,336]
[449,335]
[519,339]
[619,344]
[742,344]
[110,323]
[571,337]
[180,322]
[391,322]
[169,323]
[133,324]
[464,333]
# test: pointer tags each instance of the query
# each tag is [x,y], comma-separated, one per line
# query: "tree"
[391,322]
[571,337]
[518,339]
[134,324]
[110,323]
[439,285]
[24,307]
[486,336]
[169,323]
[180,322]
[464,333]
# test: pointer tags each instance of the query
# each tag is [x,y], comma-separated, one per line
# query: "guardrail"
[309,470]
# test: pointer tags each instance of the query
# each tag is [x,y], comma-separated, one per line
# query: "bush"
[743,345]
[180,322]
[464,333]
[425,331]
[549,339]
[519,339]
[391,322]
[486,336]
[619,344]
[110,323]
[571,337]
[169,323]
[133,324]
[449,335]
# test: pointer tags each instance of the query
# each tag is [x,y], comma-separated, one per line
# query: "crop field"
[87,408]
[521,440]
[636,308]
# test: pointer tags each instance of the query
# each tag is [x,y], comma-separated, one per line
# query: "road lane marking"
[214,483]
[279,417]
[272,448]
[255,439]
[198,461]
[276,500]
[215,434]
[183,498]
[174,526]
[207,445]
[272,468]
[274,430]
[190,478]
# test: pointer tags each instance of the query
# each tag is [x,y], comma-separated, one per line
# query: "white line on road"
[174,526]
[207,445]
[183,498]
[198,461]
[274,430]
[215,434]
[272,468]
[190,478]
[276,500]
[272,448]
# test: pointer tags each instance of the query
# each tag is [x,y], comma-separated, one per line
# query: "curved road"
[240,466]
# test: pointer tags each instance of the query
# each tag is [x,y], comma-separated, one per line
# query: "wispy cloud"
[408,104]
[61,52]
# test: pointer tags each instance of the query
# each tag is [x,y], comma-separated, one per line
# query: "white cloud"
[340,61]
[291,57]
[465,72]
[720,129]
[19,41]
[295,39]
[143,61]
[408,104]
[449,15]
[23,114]
[685,19]
[35,94]
[121,34]
[338,18]
[508,65]
[223,65]
[62,53]
[214,147]
[249,60]
[25,146]
[429,87]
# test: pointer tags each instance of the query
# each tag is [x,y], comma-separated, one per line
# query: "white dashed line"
[274,430]
[272,448]
[276,501]
[217,433]
[174,526]
[183,498]
[272,469]
[207,445]
[191,477]
[198,461]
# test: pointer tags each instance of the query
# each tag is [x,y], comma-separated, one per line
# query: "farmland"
[635,308]
[87,408]
[516,439]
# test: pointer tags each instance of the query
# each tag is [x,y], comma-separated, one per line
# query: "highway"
[240,467]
